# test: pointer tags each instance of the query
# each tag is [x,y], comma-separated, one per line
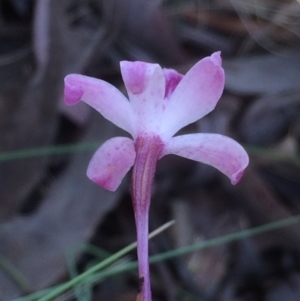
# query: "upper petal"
[216,150]
[145,84]
[111,162]
[173,78]
[103,97]
[195,96]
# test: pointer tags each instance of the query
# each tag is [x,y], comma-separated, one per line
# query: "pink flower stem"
[148,151]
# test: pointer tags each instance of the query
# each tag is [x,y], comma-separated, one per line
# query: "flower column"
[148,150]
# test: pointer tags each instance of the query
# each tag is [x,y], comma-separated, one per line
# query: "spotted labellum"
[161,102]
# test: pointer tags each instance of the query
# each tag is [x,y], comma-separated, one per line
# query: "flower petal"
[173,78]
[216,150]
[111,162]
[195,96]
[145,84]
[103,97]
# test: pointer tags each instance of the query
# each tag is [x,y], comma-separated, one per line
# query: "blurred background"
[55,223]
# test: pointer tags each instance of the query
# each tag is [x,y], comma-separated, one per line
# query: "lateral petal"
[111,162]
[145,84]
[103,97]
[195,96]
[219,151]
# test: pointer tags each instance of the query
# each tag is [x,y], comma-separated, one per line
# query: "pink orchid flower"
[162,102]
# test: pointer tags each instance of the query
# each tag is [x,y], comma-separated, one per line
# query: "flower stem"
[148,151]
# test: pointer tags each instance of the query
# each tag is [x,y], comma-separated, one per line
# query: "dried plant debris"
[263,74]
[37,245]
[269,119]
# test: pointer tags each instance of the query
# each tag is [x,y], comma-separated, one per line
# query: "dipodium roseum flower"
[162,102]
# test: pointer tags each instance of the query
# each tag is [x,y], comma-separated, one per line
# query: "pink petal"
[103,97]
[111,162]
[219,151]
[195,96]
[173,78]
[145,84]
